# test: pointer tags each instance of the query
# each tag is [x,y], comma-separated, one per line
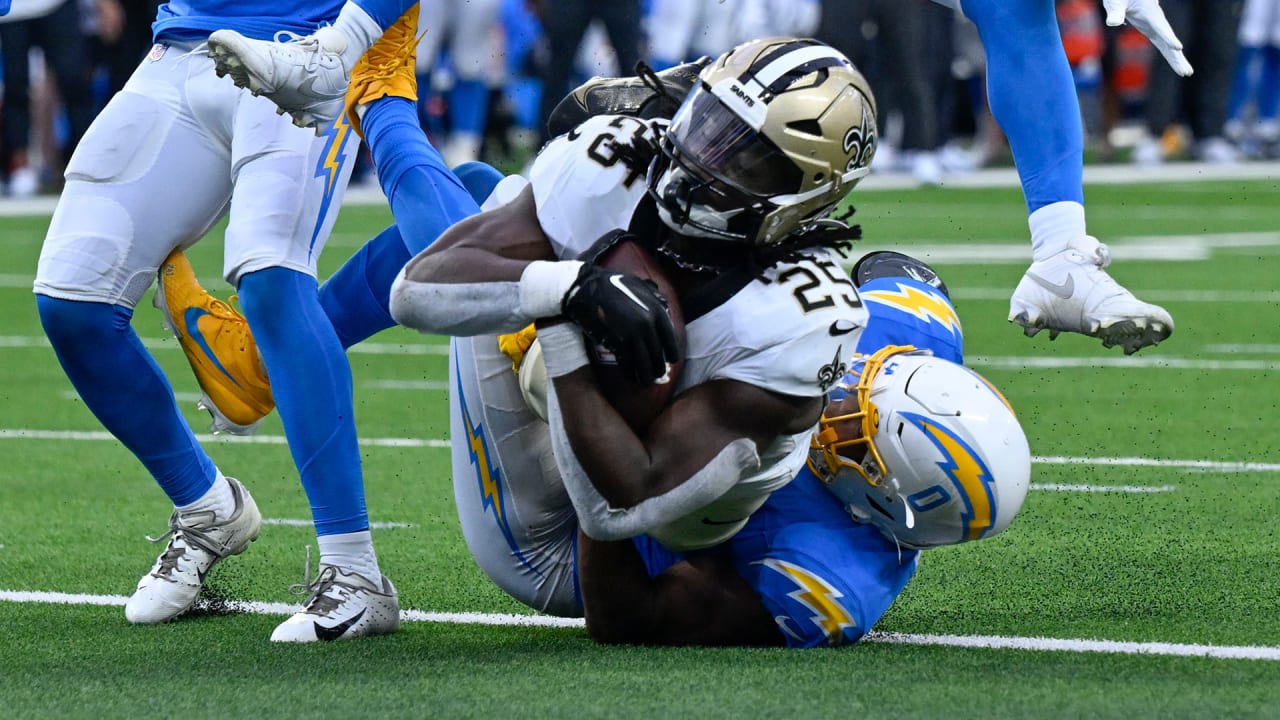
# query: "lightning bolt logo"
[928,306]
[490,479]
[969,473]
[818,596]
[330,167]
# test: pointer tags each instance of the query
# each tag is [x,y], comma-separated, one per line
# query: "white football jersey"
[788,330]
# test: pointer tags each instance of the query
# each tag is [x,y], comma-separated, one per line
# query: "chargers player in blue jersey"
[1032,96]
[173,153]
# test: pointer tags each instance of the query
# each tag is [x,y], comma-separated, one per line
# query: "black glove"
[628,316]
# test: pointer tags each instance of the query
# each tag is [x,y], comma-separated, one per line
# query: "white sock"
[217,499]
[351,552]
[360,30]
[1053,226]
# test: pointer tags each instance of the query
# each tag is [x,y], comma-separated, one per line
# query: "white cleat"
[1070,292]
[343,605]
[304,76]
[197,542]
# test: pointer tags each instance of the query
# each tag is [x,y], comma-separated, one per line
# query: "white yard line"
[991,642]
[102,435]
[1146,362]
[1117,174]
[299,522]
[440,443]
[1012,362]
[1067,487]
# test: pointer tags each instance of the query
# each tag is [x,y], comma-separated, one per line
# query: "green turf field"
[1151,532]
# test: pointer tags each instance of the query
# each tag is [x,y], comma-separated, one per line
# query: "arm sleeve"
[602,522]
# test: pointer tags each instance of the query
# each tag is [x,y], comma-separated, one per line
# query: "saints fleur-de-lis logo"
[860,143]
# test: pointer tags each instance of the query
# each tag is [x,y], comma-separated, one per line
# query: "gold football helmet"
[775,133]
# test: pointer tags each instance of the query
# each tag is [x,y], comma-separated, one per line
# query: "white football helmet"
[932,455]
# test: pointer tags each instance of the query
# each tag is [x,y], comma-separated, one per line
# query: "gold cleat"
[389,68]
[219,346]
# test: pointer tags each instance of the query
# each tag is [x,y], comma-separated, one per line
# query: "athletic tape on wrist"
[543,285]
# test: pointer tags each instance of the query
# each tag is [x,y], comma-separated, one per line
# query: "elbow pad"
[600,521]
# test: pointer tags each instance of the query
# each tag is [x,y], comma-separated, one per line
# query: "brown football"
[639,405]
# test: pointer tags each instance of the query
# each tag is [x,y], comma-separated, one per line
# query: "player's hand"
[628,316]
[1149,19]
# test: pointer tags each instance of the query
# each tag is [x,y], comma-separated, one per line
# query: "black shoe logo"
[337,631]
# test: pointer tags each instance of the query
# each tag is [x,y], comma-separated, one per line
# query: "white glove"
[1149,19]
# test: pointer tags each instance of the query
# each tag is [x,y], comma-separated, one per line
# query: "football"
[639,405]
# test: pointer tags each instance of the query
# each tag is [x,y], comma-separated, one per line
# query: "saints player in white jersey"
[778,131]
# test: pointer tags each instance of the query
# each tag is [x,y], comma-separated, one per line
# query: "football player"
[732,206]
[914,451]
[1032,96]
[172,153]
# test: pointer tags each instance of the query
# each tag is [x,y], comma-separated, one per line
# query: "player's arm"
[699,601]
[496,272]
[470,281]
[700,446]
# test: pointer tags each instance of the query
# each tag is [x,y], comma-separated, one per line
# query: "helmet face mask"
[773,136]
[931,455]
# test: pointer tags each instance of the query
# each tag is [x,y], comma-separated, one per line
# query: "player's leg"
[472,48]
[516,516]
[1269,89]
[425,197]
[308,76]
[1033,98]
[145,178]
[288,187]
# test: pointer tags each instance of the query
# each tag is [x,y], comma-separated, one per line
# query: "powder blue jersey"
[825,578]
[260,19]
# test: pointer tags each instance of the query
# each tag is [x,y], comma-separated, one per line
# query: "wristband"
[543,285]
[563,350]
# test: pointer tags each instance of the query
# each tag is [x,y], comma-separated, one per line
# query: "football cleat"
[304,76]
[218,345]
[387,69]
[197,542]
[343,605]
[1071,292]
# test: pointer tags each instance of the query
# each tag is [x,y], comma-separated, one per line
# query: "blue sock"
[385,12]
[122,385]
[468,106]
[425,197]
[1030,90]
[1244,82]
[479,179]
[1269,84]
[357,297]
[311,381]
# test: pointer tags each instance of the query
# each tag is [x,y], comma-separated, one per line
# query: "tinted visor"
[719,143]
